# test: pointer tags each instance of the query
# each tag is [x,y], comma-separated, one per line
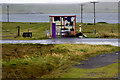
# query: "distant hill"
[59,8]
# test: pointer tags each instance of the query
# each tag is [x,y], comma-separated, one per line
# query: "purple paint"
[54,29]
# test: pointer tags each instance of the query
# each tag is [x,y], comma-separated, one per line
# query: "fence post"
[112,30]
[94,31]
[51,52]
[18,30]
[79,28]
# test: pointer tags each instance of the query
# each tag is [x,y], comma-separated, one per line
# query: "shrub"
[89,24]
[103,22]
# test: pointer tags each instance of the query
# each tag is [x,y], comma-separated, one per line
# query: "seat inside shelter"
[62,26]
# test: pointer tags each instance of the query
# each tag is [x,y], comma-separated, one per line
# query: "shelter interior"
[62,26]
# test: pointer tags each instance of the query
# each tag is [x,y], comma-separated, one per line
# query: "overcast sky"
[53,1]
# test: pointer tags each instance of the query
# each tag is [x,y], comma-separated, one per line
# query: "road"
[92,41]
[99,60]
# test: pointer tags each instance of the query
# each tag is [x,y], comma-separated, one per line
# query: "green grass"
[110,71]
[9,30]
[101,29]
[37,60]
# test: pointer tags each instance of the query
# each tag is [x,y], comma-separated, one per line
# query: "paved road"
[93,41]
[99,61]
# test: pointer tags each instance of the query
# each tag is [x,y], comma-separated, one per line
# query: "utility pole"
[8,13]
[81,13]
[94,10]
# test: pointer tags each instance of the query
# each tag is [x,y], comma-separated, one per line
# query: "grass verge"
[9,30]
[36,60]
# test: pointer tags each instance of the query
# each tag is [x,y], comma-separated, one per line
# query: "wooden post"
[112,30]
[18,31]
[94,31]
[51,52]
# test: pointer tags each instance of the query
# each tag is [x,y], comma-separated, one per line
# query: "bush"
[103,22]
[89,24]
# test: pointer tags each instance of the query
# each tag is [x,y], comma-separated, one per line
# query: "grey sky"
[109,0]
[61,8]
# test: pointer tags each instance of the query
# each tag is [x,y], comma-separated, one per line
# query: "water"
[87,17]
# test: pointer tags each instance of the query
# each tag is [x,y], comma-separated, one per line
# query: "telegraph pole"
[8,13]
[94,10]
[81,13]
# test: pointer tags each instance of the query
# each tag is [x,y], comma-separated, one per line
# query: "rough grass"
[34,61]
[9,30]
[107,35]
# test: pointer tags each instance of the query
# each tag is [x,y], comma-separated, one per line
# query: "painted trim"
[64,16]
[75,25]
[64,25]
[52,26]
[49,26]
[61,27]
